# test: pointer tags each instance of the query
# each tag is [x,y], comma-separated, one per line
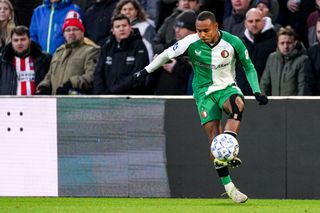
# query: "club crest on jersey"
[175,46]
[224,54]
[197,52]
[204,114]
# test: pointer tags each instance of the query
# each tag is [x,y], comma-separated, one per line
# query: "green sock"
[225,180]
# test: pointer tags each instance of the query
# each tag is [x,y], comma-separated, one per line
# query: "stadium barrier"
[119,146]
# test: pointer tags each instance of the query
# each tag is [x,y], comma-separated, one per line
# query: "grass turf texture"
[152,205]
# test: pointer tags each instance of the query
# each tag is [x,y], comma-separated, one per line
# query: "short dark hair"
[20,30]
[119,17]
[204,15]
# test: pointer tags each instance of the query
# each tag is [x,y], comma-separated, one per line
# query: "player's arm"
[247,65]
[175,50]
[249,70]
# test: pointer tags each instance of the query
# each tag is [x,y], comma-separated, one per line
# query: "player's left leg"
[234,106]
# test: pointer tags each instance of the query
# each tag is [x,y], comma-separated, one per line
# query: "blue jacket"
[47,21]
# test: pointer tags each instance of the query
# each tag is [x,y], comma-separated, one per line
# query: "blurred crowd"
[65,47]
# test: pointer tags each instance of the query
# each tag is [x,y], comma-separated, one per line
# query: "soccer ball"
[225,147]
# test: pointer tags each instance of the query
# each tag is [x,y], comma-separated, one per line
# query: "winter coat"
[74,63]
[98,20]
[8,74]
[313,77]
[47,21]
[234,24]
[285,75]
[117,64]
[259,49]
[311,26]
[166,32]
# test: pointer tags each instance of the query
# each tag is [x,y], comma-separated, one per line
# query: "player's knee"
[237,106]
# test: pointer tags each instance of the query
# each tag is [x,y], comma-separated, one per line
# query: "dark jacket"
[8,75]
[117,64]
[234,24]
[166,32]
[313,77]
[174,83]
[97,20]
[259,49]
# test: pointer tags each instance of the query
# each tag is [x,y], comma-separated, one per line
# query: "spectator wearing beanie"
[270,9]
[174,76]
[73,63]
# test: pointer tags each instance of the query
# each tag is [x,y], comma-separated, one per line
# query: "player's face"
[129,11]
[254,22]
[318,30]
[121,29]
[264,9]
[5,12]
[286,44]
[20,43]
[73,34]
[207,31]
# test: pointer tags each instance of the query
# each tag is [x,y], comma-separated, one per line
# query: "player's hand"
[140,77]
[262,99]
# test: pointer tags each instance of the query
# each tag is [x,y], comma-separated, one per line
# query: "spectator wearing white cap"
[73,63]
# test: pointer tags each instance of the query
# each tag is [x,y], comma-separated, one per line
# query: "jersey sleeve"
[246,63]
[175,50]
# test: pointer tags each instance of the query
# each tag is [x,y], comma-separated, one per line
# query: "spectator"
[151,9]
[313,78]
[166,32]
[234,24]
[164,9]
[260,40]
[174,76]
[295,14]
[312,22]
[22,65]
[123,54]
[271,8]
[266,6]
[47,21]
[73,63]
[138,19]
[98,20]
[7,22]
[286,68]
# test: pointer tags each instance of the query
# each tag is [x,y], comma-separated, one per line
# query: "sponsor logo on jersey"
[211,66]
[175,46]
[224,54]
[204,114]
[197,52]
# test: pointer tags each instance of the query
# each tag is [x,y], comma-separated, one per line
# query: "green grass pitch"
[153,205]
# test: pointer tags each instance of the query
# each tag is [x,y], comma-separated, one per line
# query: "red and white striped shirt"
[25,75]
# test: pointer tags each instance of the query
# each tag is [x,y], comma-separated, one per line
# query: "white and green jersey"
[214,67]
